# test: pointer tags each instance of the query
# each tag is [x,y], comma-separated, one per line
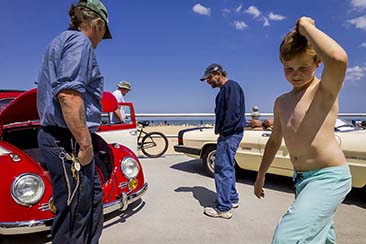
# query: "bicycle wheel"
[154,144]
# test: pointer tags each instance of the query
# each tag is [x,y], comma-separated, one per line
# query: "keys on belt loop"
[75,166]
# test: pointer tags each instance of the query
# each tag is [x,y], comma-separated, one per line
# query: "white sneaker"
[235,205]
[214,212]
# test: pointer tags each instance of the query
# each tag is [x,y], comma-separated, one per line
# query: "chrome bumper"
[26,227]
[187,150]
[125,200]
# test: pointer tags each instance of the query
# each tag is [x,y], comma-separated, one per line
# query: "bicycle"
[152,144]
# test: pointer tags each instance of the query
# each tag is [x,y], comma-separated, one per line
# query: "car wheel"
[208,160]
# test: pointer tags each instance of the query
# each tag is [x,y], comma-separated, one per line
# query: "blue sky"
[162,47]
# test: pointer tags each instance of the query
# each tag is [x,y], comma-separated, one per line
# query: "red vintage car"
[6,96]
[26,204]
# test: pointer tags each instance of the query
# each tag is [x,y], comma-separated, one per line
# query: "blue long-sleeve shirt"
[230,109]
[69,63]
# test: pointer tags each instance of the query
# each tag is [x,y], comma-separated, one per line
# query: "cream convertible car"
[201,143]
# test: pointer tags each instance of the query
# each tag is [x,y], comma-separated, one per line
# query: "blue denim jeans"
[82,221]
[225,178]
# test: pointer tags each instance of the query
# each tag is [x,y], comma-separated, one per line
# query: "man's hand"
[258,186]
[85,155]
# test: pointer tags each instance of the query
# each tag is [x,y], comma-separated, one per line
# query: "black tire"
[154,144]
[208,160]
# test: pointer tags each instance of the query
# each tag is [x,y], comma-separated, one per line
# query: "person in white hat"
[119,115]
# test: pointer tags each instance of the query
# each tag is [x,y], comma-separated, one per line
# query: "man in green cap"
[70,88]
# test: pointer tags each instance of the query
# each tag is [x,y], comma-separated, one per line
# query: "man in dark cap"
[70,88]
[229,125]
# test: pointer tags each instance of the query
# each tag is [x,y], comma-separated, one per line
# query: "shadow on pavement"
[41,237]
[274,182]
[204,196]
[356,197]
[122,217]
[192,166]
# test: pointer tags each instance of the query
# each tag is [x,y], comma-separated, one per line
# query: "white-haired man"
[119,115]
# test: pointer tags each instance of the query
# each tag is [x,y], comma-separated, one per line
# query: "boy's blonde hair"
[295,44]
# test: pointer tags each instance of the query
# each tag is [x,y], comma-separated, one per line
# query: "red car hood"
[24,107]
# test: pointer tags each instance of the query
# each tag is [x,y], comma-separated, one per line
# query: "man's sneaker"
[235,205]
[214,212]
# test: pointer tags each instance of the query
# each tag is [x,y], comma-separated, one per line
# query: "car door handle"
[266,135]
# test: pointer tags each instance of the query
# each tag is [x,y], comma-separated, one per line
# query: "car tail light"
[180,140]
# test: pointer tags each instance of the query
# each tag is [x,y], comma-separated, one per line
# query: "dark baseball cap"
[211,69]
[99,8]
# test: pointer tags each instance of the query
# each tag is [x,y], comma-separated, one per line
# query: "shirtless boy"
[305,118]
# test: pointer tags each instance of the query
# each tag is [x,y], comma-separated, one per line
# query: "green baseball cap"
[99,8]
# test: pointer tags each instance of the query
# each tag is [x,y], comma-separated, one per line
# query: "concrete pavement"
[171,211]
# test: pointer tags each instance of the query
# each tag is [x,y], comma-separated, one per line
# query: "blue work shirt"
[230,109]
[69,63]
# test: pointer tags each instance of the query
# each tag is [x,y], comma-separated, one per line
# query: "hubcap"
[211,160]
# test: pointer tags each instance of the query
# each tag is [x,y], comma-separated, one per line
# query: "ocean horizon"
[181,122]
[197,121]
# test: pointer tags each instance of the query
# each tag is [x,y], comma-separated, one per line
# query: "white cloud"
[252,10]
[240,25]
[359,23]
[355,73]
[238,9]
[225,11]
[363,44]
[358,4]
[200,9]
[266,22]
[276,17]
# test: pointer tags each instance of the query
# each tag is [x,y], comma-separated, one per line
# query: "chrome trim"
[188,150]
[14,157]
[123,185]
[124,201]
[26,227]
[44,207]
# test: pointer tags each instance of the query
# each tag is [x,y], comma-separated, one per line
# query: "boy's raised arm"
[329,51]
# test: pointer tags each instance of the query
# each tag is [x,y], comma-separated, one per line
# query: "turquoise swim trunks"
[310,218]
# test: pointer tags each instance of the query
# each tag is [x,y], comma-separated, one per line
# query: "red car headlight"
[27,189]
[129,167]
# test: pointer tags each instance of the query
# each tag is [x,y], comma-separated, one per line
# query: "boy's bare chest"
[295,109]
[302,113]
